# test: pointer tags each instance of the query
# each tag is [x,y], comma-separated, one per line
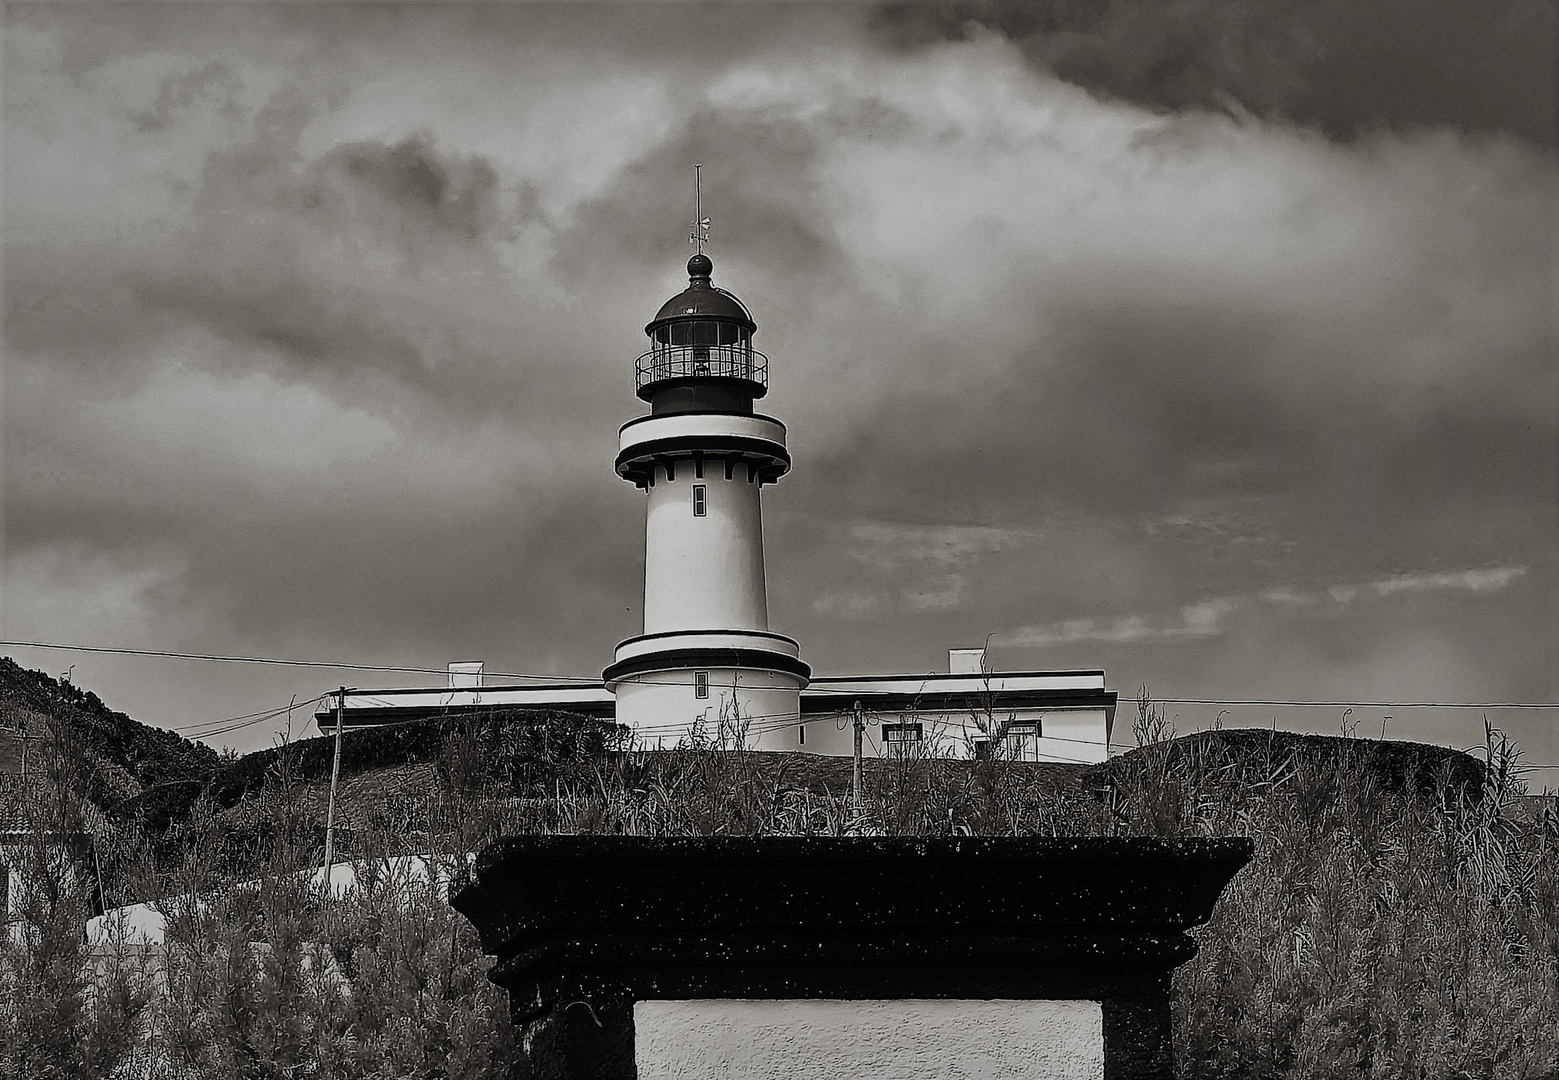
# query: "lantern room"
[701,357]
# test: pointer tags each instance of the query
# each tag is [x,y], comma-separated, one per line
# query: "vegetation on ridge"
[1400,918]
[118,759]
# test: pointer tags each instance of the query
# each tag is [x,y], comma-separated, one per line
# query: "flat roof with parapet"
[1081,689]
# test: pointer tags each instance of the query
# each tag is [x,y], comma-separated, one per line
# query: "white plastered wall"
[869,1040]
[662,707]
[1069,735]
[704,573]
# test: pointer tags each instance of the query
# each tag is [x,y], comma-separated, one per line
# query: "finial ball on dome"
[700,266]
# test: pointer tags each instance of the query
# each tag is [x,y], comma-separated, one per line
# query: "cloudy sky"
[1206,342]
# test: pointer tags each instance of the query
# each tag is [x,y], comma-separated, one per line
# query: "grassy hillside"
[522,753]
[1400,920]
[517,771]
[118,759]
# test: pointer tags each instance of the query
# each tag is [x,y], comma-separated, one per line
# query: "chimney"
[466,674]
[966,661]
[465,680]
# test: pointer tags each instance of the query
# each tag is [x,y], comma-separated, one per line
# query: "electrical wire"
[1362,704]
[779,720]
[766,722]
[224,729]
[246,716]
[763,723]
[275,661]
[283,662]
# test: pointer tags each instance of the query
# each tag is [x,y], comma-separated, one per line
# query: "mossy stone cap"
[527,890]
[585,926]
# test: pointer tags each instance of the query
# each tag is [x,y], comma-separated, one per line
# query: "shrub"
[1399,920]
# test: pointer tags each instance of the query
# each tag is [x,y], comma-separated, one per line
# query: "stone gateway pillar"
[790,957]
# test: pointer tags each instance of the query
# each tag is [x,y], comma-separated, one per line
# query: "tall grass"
[1400,918]
[268,977]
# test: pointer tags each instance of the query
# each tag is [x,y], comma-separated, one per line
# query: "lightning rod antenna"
[700,222]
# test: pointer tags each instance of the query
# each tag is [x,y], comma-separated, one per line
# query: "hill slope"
[117,758]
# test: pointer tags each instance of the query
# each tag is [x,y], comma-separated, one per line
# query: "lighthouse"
[702,457]
[707,659]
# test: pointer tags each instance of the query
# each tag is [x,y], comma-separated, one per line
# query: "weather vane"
[700,222]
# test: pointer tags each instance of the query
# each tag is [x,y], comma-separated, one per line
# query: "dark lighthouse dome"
[701,356]
[702,300]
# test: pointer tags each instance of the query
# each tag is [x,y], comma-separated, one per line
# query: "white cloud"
[1482,579]
[921,568]
[1202,619]
[896,545]
[1207,618]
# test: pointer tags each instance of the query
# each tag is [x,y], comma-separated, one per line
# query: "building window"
[700,500]
[1021,741]
[801,734]
[700,684]
[900,738]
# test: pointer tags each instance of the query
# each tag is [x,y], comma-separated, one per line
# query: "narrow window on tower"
[700,684]
[801,734]
[700,500]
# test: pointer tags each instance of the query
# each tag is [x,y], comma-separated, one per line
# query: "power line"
[757,724]
[766,722]
[775,721]
[224,729]
[779,720]
[1252,702]
[273,661]
[761,723]
[285,662]
[232,719]
[1361,704]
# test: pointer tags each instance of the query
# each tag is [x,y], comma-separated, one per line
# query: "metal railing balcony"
[701,361]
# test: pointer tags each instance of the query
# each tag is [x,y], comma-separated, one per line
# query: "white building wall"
[1068,735]
[661,708]
[869,1040]
[704,573]
[1075,735]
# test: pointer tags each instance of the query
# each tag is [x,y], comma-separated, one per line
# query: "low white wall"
[1070,735]
[1079,735]
[869,1040]
[660,707]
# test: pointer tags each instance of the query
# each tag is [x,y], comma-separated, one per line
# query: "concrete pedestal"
[767,952]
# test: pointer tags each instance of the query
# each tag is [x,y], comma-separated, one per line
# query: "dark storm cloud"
[1153,407]
[460,195]
[348,314]
[311,265]
[320,322]
[1345,68]
[402,579]
[763,195]
[183,90]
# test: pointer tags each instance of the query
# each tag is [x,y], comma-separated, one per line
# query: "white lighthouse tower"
[702,456]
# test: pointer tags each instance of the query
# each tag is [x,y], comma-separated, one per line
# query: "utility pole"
[855,784]
[25,737]
[335,776]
